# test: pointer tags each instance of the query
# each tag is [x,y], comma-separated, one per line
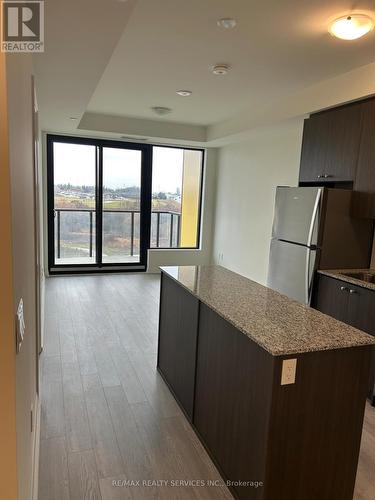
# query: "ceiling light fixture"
[73,118]
[227,23]
[351,27]
[220,69]
[184,93]
[161,110]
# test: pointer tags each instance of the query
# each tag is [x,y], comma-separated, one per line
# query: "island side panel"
[178,327]
[233,401]
[316,426]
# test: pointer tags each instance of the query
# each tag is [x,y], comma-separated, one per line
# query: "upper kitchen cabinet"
[364,186]
[330,145]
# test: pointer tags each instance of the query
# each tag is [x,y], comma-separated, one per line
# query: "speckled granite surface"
[278,324]
[336,273]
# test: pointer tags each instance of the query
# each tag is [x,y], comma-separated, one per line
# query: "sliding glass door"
[74,203]
[122,179]
[99,204]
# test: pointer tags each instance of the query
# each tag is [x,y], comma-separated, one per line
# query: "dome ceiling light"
[351,27]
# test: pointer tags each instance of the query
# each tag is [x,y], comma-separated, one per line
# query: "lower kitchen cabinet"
[351,304]
[332,298]
[178,329]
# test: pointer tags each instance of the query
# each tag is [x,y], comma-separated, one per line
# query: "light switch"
[288,372]
[20,326]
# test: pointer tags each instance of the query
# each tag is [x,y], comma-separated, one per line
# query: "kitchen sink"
[367,276]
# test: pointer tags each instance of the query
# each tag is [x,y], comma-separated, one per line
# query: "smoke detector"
[161,110]
[220,69]
[227,23]
[184,93]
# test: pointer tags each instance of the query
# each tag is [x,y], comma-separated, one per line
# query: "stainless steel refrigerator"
[313,229]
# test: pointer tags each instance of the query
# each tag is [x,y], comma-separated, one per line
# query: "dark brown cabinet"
[351,304]
[178,341]
[330,145]
[332,298]
[364,186]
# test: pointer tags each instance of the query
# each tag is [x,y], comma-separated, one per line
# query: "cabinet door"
[343,142]
[361,309]
[364,186]
[361,315]
[178,330]
[351,304]
[331,144]
[332,297]
[314,148]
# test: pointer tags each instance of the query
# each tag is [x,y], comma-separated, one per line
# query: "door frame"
[145,209]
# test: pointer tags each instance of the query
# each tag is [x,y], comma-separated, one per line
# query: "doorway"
[99,205]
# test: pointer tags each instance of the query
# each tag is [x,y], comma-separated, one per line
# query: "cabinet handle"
[324,176]
[343,288]
[352,291]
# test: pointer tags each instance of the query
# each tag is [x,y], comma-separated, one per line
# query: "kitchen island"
[274,389]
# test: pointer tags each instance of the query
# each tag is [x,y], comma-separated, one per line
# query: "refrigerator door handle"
[314,217]
[309,275]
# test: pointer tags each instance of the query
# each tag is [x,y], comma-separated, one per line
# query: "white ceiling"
[110,62]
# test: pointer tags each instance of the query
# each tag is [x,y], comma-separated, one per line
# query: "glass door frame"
[145,209]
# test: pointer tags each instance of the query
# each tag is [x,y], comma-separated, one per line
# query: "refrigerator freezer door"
[291,270]
[297,212]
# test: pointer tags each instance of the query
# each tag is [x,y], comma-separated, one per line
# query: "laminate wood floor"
[107,416]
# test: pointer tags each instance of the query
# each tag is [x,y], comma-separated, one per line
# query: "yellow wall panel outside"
[191,185]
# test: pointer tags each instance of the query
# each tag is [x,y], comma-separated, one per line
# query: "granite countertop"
[336,273]
[278,324]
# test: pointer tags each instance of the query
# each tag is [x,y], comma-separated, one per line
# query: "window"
[110,201]
[176,197]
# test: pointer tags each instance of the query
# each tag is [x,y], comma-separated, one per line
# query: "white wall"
[202,255]
[248,173]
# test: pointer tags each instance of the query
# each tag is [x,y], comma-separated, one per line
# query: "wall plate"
[288,371]
[20,326]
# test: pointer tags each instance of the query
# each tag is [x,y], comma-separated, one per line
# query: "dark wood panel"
[316,426]
[331,297]
[330,145]
[364,199]
[343,142]
[361,314]
[354,306]
[232,401]
[178,329]
[314,149]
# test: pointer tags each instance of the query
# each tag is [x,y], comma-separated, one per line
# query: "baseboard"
[36,448]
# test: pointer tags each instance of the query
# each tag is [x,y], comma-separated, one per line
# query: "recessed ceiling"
[276,49]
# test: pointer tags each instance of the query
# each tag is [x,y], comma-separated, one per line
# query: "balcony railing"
[171,225]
